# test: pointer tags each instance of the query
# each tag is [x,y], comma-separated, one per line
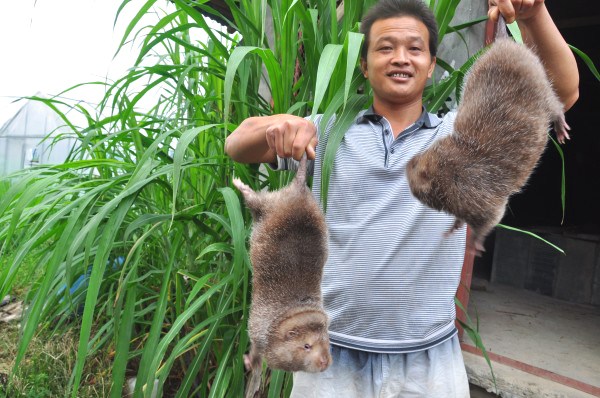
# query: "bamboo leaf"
[532,234]
[563,178]
[136,19]
[219,247]
[276,383]
[223,375]
[158,351]
[515,31]
[468,24]
[101,258]
[199,285]
[238,234]
[36,307]
[146,368]
[353,46]
[186,385]
[236,57]
[348,116]
[327,63]
[587,61]
[182,145]
[123,337]
[444,90]
[199,18]
[444,11]
[475,337]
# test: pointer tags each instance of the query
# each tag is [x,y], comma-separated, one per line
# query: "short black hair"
[385,9]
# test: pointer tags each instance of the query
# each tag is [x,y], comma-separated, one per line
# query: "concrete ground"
[479,392]
[540,346]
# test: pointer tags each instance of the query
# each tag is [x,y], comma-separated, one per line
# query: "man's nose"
[400,56]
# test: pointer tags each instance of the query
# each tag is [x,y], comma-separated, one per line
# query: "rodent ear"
[257,212]
[291,334]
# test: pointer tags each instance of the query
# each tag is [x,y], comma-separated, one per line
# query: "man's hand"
[291,136]
[514,9]
[259,139]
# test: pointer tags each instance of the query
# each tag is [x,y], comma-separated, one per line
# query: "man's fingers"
[514,9]
[289,136]
[525,6]
[305,141]
[504,7]
[311,149]
[275,139]
[270,136]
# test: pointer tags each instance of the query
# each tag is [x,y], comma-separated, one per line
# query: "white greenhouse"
[27,138]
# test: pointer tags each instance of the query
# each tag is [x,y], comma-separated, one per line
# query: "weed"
[47,367]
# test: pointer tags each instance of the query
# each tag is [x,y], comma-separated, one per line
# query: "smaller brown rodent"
[288,249]
[500,132]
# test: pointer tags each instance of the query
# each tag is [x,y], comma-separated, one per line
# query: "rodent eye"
[307,347]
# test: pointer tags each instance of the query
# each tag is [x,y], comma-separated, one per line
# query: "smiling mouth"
[399,75]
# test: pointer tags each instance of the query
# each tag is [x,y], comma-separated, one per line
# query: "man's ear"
[431,67]
[363,67]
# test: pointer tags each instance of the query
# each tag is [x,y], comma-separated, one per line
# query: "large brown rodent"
[500,132]
[288,249]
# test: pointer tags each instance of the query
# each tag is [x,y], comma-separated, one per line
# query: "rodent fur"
[287,326]
[500,132]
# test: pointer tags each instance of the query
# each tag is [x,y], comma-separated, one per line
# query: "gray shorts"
[438,372]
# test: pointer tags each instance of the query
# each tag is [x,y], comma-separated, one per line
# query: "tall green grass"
[142,211]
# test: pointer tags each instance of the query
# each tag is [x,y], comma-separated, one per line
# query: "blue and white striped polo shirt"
[391,276]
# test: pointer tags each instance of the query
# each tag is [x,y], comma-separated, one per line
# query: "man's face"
[398,60]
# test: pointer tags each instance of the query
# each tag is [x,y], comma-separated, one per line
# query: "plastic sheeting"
[28,138]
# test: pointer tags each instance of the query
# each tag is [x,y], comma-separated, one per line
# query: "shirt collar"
[429,120]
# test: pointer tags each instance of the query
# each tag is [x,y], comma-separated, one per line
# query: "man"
[391,276]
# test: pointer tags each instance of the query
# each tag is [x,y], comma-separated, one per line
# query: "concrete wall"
[453,49]
[526,262]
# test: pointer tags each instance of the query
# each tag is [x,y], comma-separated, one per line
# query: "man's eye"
[386,48]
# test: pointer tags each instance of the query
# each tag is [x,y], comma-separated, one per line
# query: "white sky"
[50,45]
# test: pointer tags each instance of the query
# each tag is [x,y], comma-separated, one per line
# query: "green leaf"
[123,337]
[147,366]
[183,144]
[587,61]
[327,63]
[353,45]
[136,19]
[515,31]
[444,11]
[342,123]
[443,91]
[532,234]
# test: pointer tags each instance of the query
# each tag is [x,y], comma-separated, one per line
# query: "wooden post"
[464,287]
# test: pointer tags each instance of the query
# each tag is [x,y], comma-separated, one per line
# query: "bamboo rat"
[500,132]
[288,249]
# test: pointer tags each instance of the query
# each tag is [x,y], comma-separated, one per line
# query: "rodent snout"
[324,362]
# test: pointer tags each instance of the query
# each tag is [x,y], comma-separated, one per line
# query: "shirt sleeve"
[291,165]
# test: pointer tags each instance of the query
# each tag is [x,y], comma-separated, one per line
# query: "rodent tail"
[301,172]
[501,28]
[253,384]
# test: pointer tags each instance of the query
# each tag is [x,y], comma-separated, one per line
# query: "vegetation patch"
[47,367]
